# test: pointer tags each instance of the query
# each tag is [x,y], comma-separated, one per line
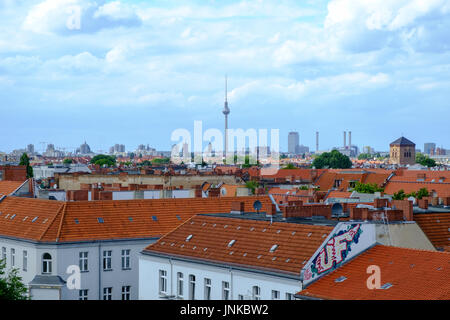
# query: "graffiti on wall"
[334,252]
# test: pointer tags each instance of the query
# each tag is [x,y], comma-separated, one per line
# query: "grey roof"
[402,141]
[47,280]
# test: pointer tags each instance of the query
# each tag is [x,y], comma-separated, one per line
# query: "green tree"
[367,188]
[365,156]
[68,161]
[252,185]
[422,193]
[11,286]
[400,195]
[333,159]
[158,161]
[25,161]
[425,161]
[102,160]
[289,166]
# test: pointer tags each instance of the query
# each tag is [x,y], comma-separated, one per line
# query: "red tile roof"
[8,187]
[436,226]
[414,275]
[339,194]
[327,179]
[125,219]
[253,241]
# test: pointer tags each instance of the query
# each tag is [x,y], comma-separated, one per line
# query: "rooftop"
[402,141]
[406,274]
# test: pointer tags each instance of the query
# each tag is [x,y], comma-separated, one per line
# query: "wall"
[405,235]
[241,282]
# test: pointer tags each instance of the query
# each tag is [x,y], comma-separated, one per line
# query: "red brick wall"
[406,206]
[14,173]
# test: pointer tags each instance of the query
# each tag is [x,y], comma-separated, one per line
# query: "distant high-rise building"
[301,149]
[30,149]
[85,149]
[429,148]
[293,142]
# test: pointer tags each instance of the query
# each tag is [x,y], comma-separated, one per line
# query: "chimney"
[350,139]
[345,140]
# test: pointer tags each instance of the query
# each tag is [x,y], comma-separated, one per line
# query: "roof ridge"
[53,220]
[61,222]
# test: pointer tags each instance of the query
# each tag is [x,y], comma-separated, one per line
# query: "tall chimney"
[345,140]
[317,141]
[350,139]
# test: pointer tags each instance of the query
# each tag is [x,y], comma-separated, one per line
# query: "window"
[47,263]
[180,284]
[107,260]
[13,257]
[25,261]
[126,259]
[83,294]
[107,293]
[83,261]
[225,290]
[289,296]
[275,295]
[191,287]
[256,293]
[240,297]
[162,281]
[126,292]
[207,289]
[4,254]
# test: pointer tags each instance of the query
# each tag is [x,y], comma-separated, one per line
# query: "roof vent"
[231,252]
[287,260]
[178,217]
[13,216]
[340,279]
[293,233]
[230,244]
[194,247]
[45,220]
[189,237]
[251,229]
[386,286]
[25,218]
[279,231]
[205,249]
[274,258]
[259,257]
[34,219]
[245,254]
[309,234]
[264,230]
[238,228]
[214,225]
[225,226]
[100,220]
[274,247]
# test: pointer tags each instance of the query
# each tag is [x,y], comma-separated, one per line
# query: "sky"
[131,72]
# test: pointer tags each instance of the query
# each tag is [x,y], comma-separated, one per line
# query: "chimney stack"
[345,139]
[350,139]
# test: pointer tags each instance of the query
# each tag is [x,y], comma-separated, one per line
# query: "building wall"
[64,255]
[404,235]
[397,155]
[241,282]
[72,182]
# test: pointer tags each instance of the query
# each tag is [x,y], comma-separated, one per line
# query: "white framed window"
[180,284]
[126,292]
[225,290]
[162,281]
[25,260]
[126,259]
[207,289]
[4,254]
[289,296]
[46,263]
[191,287]
[13,257]
[107,293]
[275,295]
[83,261]
[107,254]
[83,294]
[256,293]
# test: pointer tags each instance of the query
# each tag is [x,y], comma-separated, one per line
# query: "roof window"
[34,219]
[178,217]
[189,237]
[76,221]
[340,279]
[100,220]
[230,244]
[13,216]
[386,286]
[274,247]
[154,218]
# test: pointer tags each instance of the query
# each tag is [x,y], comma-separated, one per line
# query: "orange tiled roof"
[8,187]
[414,275]
[253,241]
[436,226]
[339,194]
[327,179]
[441,189]
[125,219]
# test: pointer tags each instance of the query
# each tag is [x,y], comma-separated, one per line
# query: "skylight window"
[251,229]
[154,218]
[100,220]
[25,218]
[287,260]
[386,286]
[13,216]
[230,244]
[238,228]
[309,234]
[205,249]
[225,226]
[340,279]
[189,237]
[264,230]
[279,231]
[130,218]
[34,219]
[274,247]
[178,217]
[45,220]
[293,233]
[76,221]
[7,216]
[274,258]
[259,257]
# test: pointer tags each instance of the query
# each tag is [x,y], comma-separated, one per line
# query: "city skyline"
[136,71]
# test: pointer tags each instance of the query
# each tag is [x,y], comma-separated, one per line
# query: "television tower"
[226,112]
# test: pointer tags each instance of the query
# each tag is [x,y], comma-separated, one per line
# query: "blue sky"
[137,70]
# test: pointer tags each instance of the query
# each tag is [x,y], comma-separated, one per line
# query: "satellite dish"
[257,205]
